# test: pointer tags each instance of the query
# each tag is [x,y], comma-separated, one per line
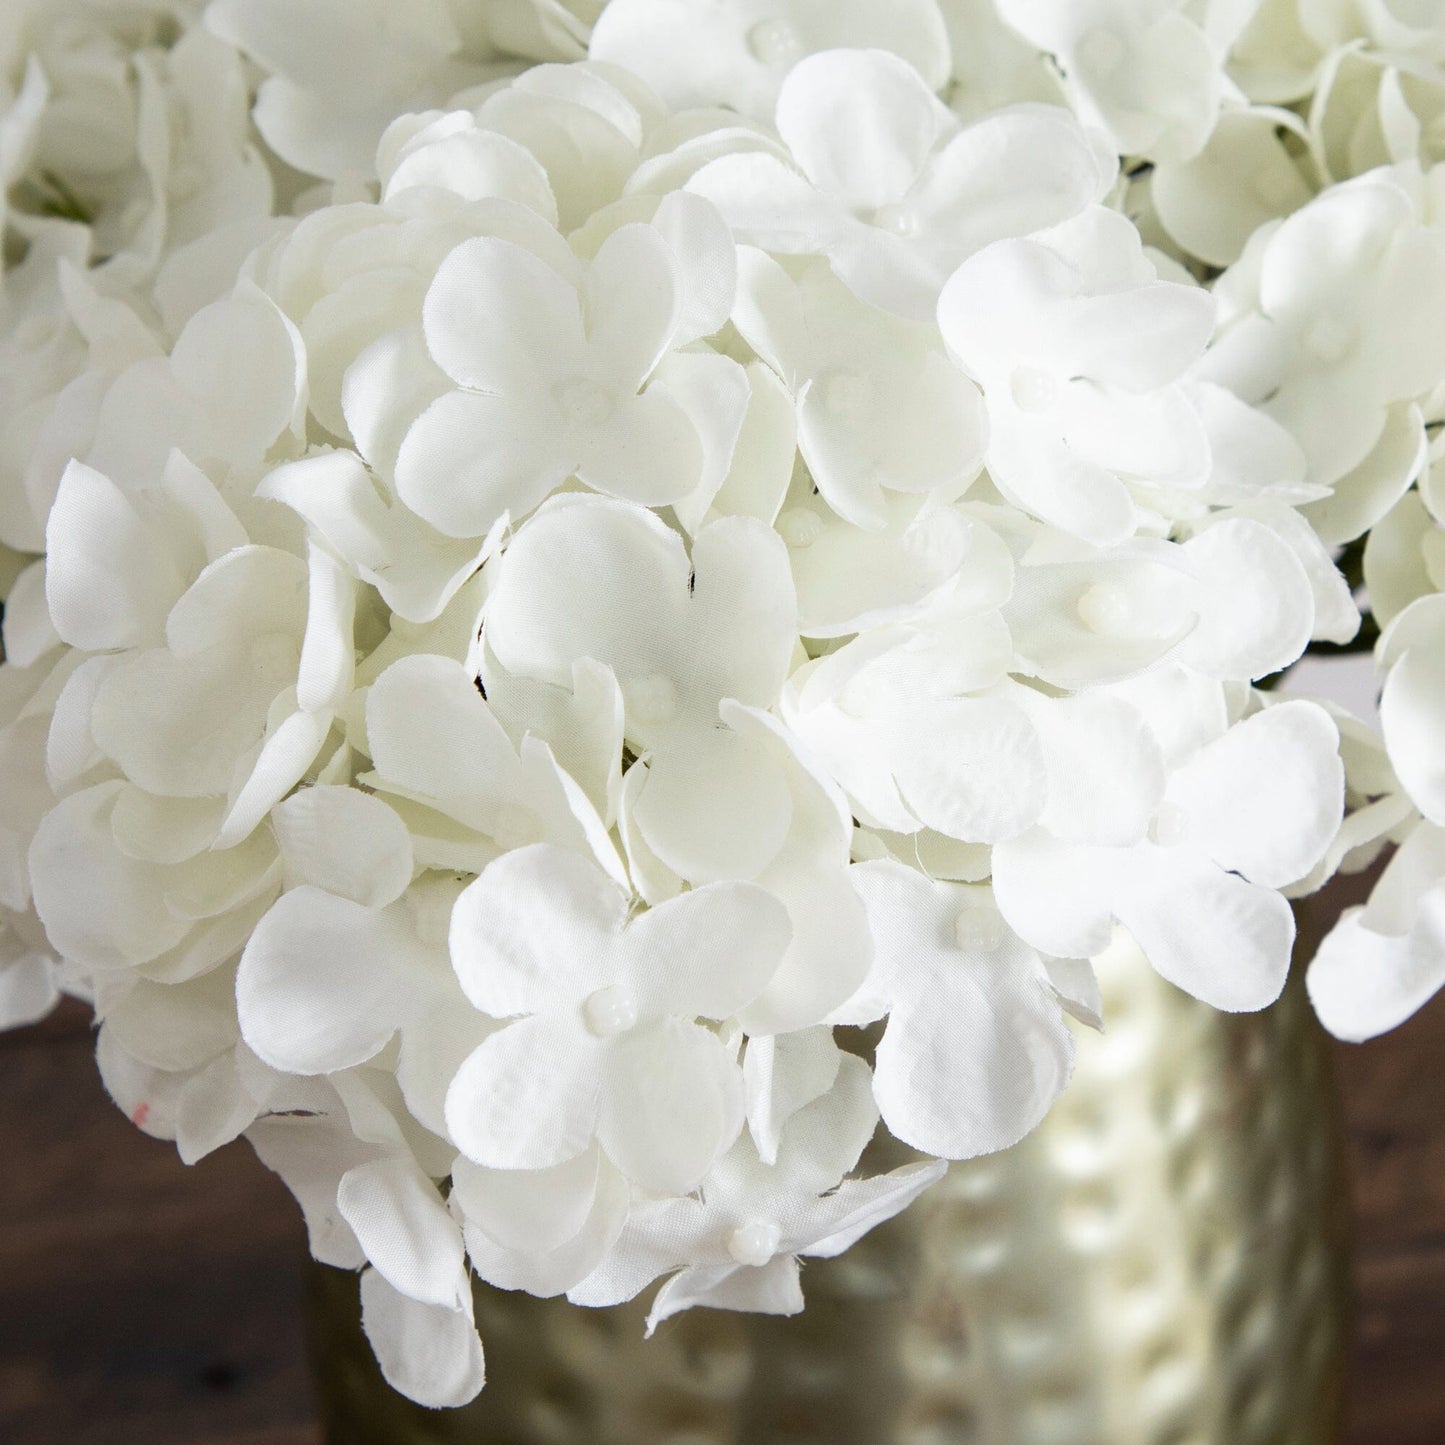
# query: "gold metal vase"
[1163,1262]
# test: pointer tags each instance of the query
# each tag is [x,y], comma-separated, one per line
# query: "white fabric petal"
[707,953]
[540,928]
[648,451]
[971,768]
[110,580]
[1364,983]
[631,303]
[976,1049]
[288,751]
[862,1204]
[345,842]
[100,909]
[783,1074]
[527,1097]
[1257,609]
[325,982]
[1213,934]
[714,805]
[432,737]
[672,1105]
[860,124]
[592,578]
[770,1289]
[1412,716]
[1266,799]
[1105,768]
[427,1352]
[400,1221]
[499,319]
[1057,895]
[770,204]
[470,458]
[528,1209]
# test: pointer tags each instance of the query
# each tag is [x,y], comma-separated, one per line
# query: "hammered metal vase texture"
[1163,1262]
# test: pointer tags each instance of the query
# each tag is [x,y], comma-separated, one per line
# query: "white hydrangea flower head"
[556,555]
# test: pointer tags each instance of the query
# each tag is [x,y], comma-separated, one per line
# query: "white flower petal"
[714,805]
[860,124]
[1412,713]
[1266,799]
[432,737]
[972,768]
[649,451]
[770,1289]
[345,842]
[707,953]
[976,1049]
[427,1352]
[783,1074]
[110,580]
[673,1104]
[1222,939]
[470,458]
[1364,983]
[539,929]
[1257,611]
[1057,895]
[499,319]
[862,1204]
[325,982]
[527,1098]
[401,1223]
[594,578]
[100,909]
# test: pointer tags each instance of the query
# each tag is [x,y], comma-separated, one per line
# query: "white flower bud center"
[1033,389]
[1104,609]
[585,402]
[1102,50]
[1329,338]
[800,526]
[978,930]
[1170,825]
[773,41]
[900,220]
[650,699]
[610,1011]
[755,1243]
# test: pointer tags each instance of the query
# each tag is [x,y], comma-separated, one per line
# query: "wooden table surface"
[144,1303]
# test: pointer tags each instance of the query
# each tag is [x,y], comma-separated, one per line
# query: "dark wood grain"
[141,1302]
[144,1303]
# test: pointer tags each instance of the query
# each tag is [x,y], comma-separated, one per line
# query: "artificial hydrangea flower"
[881,178]
[738,1246]
[762,522]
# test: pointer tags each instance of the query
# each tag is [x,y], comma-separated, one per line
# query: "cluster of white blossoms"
[599,598]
